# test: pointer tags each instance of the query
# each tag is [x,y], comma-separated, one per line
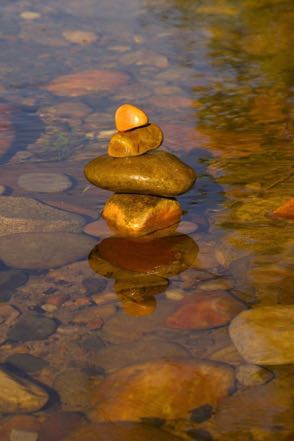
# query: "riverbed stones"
[129,117]
[20,395]
[6,128]
[166,389]
[25,215]
[44,182]
[265,335]
[136,215]
[156,173]
[135,142]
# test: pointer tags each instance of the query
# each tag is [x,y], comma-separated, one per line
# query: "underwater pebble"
[80,37]
[44,182]
[32,327]
[30,15]
[26,362]
[106,134]
[213,285]
[186,227]
[174,294]
[2,189]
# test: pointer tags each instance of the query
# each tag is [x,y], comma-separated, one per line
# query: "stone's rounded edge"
[128,117]
[183,175]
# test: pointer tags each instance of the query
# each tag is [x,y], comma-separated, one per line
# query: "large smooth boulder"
[135,214]
[167,389]
[265,335]
[157,173]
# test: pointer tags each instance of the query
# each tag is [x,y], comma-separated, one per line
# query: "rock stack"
[145,181]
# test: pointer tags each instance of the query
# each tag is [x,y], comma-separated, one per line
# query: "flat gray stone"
[44,182]
[44,250]
[32,327]
[24,215]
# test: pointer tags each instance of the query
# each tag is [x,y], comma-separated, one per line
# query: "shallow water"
[216,76]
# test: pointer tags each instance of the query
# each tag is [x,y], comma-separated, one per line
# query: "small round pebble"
[44,182]
[215,284]
[174,294]
[186,227]
[30,15]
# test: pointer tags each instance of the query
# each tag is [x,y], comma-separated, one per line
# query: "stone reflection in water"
[141,267]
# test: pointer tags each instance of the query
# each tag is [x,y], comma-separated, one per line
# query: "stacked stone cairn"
[145,180]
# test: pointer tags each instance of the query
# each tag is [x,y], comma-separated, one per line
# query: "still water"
[129,344]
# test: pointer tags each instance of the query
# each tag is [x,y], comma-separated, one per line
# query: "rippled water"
[216,76]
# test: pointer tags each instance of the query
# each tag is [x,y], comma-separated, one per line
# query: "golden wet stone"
[135,215]
[156,173]
[167,389]
[286,210]
[129,117]
[265,335]
[135,142]
[87,82]
[20,395]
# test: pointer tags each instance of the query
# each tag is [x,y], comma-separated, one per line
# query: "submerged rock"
[204,311]
[32,327]
[156,173]
[20,395]
[178,385]
[129,117]
[6,128]
[135,215]
[24,215]
[286,210]
[265,335]
[44,182]
[87,82]
[135,142]
[120,432]
[43,250]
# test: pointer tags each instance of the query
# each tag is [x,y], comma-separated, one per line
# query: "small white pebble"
[104,134]
[174,294]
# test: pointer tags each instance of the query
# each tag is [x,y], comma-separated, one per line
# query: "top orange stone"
[129,117]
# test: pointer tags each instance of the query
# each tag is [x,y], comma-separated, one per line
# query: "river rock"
[265,335]
[20,395]
[24,215]
[32,327]
[87,82]
[120,432]
[129,117]
[140,286]
[9,281]
[160,389]
[156,173]
[44,182]
[135,142]
[6,128]
[253,375]
[135,215]
[43,250]
[120,257]
[204,311]
[26,362]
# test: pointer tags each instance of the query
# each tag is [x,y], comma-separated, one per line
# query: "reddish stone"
[87,82]
[204,311]
[57,299]
[286,210]
[58,425]
[6,129]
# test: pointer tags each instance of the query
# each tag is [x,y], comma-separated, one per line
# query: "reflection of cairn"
[145,181]
[143,209]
